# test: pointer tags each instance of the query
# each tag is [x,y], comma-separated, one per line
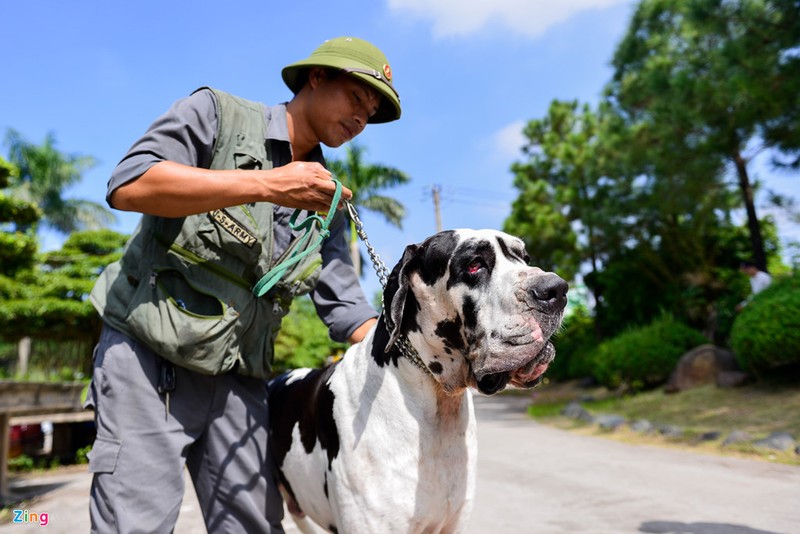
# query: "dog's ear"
[394,296]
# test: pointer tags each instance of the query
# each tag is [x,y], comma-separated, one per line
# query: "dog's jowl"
[384,440]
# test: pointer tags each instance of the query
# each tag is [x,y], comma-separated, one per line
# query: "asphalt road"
[536,479]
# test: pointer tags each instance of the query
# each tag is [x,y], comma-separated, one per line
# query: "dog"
[384,440]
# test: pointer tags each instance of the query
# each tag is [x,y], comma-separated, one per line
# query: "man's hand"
[361,331]
[304,185]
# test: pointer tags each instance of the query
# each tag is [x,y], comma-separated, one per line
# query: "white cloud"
[508,141]
[530,18]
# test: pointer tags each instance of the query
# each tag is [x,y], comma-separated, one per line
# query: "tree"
[50,299]
[648,233]
[719,76]
[17,242]
[562,192]
[44,174]
[366,182]
[303,340]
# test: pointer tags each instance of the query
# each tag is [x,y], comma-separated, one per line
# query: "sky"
[470,74]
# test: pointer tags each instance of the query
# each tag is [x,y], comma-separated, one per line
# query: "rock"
[671,431]
[737,436]
[710,436]
[574,410]
[779,441]
[731,379]
[701,366]
[610,421]
[643,426]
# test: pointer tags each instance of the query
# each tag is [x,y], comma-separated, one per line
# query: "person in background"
[759,281]
[188,323]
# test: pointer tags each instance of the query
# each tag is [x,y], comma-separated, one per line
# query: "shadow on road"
[20,491]
[674,527]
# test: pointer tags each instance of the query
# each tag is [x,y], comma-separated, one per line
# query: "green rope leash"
[276,273]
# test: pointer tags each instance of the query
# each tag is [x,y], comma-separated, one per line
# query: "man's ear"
[396,293]
[315,76]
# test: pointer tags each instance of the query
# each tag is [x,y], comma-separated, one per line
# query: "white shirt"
[760,282]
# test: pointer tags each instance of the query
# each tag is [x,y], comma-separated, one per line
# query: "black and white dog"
[384,440]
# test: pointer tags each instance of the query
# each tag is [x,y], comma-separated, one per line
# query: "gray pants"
[216,426]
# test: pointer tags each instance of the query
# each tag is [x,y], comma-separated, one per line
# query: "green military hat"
[358,58]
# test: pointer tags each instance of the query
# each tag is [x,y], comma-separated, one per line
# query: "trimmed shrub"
[644,357]
[766,334]
[574,344]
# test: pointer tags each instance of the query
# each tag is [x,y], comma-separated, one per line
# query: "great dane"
[384,440]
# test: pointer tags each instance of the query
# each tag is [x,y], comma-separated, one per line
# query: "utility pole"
[436,190]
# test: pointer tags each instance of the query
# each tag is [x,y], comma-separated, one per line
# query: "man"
[187,341]
[759,281]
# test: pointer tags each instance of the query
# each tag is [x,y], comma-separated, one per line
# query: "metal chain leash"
[380,267]
[383,275]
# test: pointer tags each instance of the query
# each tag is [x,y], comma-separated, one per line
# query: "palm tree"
[366,181]
[44,174]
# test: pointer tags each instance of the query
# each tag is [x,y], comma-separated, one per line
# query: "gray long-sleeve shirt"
[185,134]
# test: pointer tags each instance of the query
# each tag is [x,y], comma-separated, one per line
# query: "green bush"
[574,343]
[644,357]
[766,334]
[303,340]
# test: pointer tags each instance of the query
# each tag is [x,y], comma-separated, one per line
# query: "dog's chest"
[419,450]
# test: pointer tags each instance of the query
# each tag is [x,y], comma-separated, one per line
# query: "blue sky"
[470,73]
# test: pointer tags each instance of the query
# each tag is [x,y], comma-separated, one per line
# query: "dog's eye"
[475,266]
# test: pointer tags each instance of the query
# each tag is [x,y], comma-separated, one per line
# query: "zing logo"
[26,516]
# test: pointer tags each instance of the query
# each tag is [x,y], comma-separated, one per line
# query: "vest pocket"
[183,322]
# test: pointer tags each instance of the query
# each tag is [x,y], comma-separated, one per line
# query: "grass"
[756,409]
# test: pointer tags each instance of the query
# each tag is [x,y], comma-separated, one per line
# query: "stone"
[732,379]
[701,366]
[610,421]
[737,436]
[642,426]
[779,441]
[574,410]
[671,431]
[710,436]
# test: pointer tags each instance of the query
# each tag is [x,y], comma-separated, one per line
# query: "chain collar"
[406,349]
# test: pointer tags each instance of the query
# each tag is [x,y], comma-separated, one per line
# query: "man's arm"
[170,189]
[166,173]
[338,296]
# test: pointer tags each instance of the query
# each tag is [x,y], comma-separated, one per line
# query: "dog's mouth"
[527,376]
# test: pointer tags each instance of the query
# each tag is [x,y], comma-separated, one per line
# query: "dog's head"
[473,308]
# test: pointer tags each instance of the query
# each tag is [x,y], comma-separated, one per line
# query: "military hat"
[357,58]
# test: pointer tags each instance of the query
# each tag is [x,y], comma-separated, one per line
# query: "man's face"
[342,106]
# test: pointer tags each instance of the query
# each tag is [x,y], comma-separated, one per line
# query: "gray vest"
[183,286]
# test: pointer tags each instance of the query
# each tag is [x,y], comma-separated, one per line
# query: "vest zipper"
[308,271]
[205,264]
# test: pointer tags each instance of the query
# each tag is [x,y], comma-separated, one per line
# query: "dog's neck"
[444,373]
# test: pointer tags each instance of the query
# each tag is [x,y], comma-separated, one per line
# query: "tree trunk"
[23,355]
[355,255]
[756,240]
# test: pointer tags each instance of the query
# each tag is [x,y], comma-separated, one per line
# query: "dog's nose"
[549,292]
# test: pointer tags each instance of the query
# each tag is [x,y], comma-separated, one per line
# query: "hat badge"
[387,71]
